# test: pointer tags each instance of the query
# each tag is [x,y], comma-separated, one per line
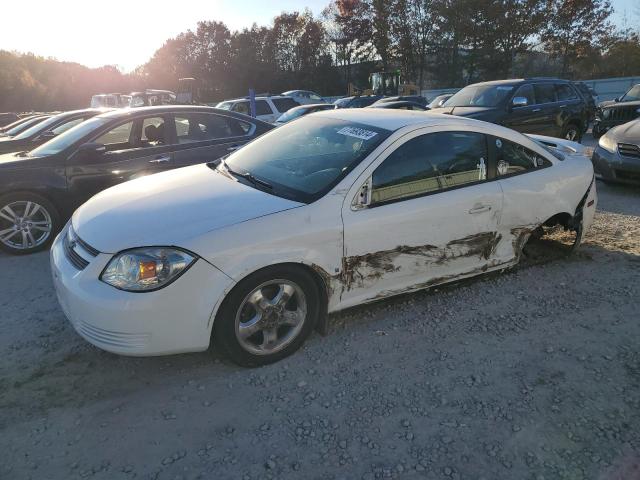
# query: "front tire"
[28,223]
[268,315]
[572,132]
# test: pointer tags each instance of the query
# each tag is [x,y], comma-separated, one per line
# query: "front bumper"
[174,319]
[615,167]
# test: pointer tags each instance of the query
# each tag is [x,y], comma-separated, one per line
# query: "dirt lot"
[532,374]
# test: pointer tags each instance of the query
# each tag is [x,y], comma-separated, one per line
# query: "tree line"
[433,43]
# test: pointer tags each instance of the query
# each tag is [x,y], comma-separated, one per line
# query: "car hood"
[627,133]
[10,144]
[612,103]
[168,208]
[12,160]
[466,111]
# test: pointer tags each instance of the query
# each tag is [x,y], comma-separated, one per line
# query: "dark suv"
[618,111]
[543,106]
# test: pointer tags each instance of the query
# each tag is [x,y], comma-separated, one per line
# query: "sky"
[127,33]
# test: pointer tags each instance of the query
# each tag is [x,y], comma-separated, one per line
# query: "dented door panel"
[409,244]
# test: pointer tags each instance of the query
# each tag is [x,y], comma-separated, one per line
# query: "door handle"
[480,209]
[233,148]
[536,110]
[160,159]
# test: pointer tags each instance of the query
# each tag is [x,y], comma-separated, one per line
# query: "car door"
[570,106]
[529,118]
[129,152]
[432,215]
[204,137]
[549,109]
[526,182]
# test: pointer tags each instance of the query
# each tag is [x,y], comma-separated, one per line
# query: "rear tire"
[572,132]
[268,315]
[28,223]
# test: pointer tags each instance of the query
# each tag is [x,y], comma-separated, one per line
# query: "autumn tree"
[575,29]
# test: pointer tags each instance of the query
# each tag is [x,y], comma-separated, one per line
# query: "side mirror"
[617,99]
[363,198]
[90,151]
[519,102]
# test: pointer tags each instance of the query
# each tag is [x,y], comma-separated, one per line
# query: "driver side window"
[118,138]
[430,163]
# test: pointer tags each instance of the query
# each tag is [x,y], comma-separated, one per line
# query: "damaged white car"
[334,210]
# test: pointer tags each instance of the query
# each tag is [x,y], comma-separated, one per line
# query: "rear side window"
[526,91]
[430,163]
[545,93]
[513,158]
[262,108]
[565,92]
[197,127]
[284,104]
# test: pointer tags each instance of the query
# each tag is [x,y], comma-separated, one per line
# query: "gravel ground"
[532,374]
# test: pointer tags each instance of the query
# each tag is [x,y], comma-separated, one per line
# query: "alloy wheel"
[571,134]
[24,225]
[270,317]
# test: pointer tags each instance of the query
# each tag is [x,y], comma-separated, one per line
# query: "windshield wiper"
[247,176]
[24,153]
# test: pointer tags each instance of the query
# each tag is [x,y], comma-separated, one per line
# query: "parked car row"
[250,246]
[41,187]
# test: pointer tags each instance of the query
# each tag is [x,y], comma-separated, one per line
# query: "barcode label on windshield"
[357,133]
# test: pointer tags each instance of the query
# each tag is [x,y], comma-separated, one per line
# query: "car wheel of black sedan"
[28,223]
[267,316]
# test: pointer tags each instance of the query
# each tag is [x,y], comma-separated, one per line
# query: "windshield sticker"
[499,143]
[509,87]
[357,133]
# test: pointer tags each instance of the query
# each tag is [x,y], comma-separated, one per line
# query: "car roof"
[71,113]
[391,119]
[264,97]
[160,109]
[515,81]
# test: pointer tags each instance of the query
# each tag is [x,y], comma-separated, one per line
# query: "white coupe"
[334,210]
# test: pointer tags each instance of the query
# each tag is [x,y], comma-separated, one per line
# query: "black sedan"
[44,131]
[40,189]
[21,125]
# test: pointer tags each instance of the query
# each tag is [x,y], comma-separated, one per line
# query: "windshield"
[68,138]
[303,160]
[38,128]
[632,95]
[480,96]
[19,128]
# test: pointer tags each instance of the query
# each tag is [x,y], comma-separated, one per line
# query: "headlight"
[608,143]
[146,269]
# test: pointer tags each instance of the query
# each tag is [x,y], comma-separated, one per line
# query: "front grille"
[629,150]
[620,114]
[74,246]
